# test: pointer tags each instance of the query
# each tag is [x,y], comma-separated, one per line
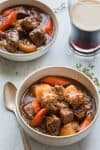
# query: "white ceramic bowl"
[59,71]
[40,51]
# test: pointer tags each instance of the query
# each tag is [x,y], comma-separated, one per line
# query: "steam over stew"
[57,106]
[23,29]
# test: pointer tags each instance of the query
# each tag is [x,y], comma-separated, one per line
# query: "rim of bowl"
[50,136]
[43,48]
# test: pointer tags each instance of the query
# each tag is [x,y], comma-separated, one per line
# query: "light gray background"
[59,54]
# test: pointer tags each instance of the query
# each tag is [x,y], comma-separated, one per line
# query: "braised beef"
[53,124]
[13,35]
[80,113]
[49,101]
[61,104]
[21,31]
[29,23]
[59,90]
[28,109]
[66,115]
[37,37]
[12,38]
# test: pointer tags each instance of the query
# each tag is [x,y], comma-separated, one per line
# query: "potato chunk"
[39,89]
[69,128]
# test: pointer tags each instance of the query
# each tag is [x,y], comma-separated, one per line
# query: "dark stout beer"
[85,33]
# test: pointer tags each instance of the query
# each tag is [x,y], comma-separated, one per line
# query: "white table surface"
[59,54]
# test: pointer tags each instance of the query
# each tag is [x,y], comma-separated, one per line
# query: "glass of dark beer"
[85,26]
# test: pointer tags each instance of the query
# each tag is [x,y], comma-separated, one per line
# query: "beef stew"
[23,29]
[57,106]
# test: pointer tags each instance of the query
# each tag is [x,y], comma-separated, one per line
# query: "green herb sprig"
[88,70]
[61,7]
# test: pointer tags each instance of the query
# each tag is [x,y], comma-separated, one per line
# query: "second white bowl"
[58,71]
[40,51]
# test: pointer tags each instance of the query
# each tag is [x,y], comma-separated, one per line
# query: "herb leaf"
[88,70]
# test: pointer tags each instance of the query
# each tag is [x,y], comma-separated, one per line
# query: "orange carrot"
[38,118]
[86,122]
[54,80]
[36,106]
[48,27]
[9,20]
[7,12]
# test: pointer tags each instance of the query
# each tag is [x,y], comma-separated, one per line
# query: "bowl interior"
[59,71]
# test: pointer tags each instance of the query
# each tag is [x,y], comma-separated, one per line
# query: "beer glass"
[85,26]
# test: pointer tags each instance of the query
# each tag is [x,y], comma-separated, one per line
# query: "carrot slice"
[54,80]
[7,12]
[48,27]
[38,118]
[86,122]
[9,20]
[36,106]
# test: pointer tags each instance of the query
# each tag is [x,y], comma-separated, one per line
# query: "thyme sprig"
[61,7]
[88,70]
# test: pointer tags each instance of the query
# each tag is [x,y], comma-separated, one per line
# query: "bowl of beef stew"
[57,105]
[27,29]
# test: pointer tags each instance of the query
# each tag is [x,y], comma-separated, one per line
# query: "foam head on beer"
[85,14]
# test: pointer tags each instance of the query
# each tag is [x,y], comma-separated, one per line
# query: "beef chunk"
[80,113]
[53,125]
[73,96]
[20,30]
[29,23]
[59,90]
[61,105]
[13,35]
[12,38]
[37,37]
[28,109]
[49,101]
[66,115]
